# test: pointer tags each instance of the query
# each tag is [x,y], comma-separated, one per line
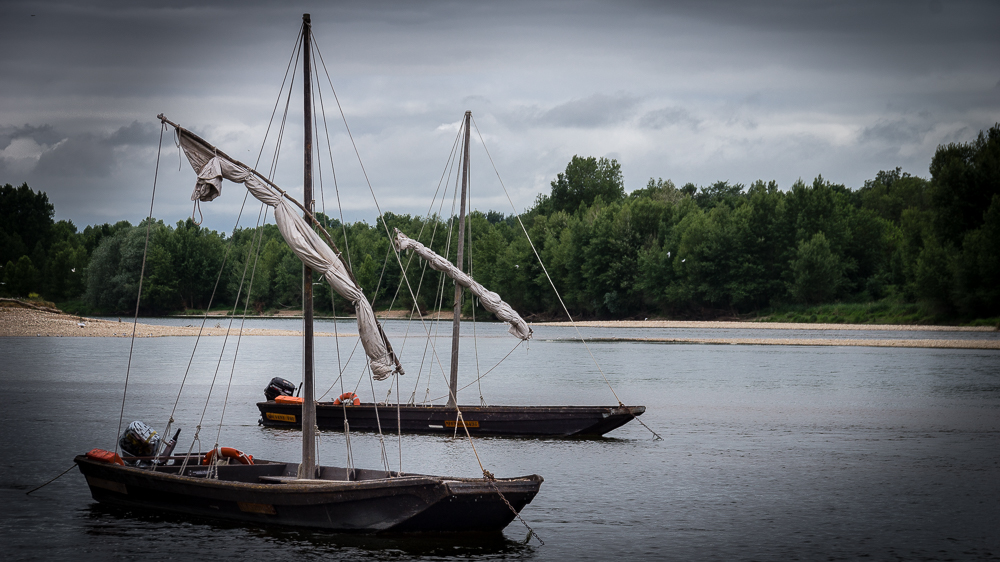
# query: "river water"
[768,452]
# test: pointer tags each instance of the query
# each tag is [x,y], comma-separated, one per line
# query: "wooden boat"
[553,421]
[338,499]
[536,421]
[301,494]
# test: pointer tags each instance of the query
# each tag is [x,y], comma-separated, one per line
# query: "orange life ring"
[348,397]
[229,453]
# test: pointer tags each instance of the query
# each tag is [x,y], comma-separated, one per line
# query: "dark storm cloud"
[71,155]
[44,134]
[713,89]
[134,134]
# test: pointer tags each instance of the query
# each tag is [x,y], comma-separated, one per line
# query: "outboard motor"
[278,387]
[168,449]
[139,440]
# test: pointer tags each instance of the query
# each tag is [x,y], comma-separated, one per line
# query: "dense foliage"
[720,249]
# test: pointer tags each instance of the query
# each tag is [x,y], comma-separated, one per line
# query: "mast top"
[306,19]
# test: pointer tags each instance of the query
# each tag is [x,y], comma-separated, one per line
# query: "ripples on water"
[769,452]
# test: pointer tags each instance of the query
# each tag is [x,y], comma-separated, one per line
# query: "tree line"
[726,248]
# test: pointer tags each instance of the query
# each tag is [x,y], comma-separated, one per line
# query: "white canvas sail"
[490,300]
[303,241]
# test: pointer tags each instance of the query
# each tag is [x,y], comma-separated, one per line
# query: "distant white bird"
[73,270]
[80,324]
[516,266]
[668,254]
[684,260]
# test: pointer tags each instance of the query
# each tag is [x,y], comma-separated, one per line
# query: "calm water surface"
[769,452]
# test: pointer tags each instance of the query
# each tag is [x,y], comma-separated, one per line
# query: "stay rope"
[138,298]
[405,277]
[541,263]
[239,336]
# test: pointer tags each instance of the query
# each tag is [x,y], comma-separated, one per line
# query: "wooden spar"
[456,322]
[305,212]
[307,470]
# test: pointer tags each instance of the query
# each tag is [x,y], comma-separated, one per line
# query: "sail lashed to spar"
[212,167]
[490,300]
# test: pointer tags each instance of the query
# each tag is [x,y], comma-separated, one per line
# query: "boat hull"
[553,421]
[267,494]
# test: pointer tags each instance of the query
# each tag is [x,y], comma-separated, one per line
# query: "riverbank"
[766,326]
[28,322]
[38,322]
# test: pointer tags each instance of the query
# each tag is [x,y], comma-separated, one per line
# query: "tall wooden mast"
[456,323]
[308,467]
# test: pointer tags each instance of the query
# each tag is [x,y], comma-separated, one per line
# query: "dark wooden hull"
[266,494]
[555,421]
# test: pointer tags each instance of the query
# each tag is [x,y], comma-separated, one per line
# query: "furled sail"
[490,300]
[303,241]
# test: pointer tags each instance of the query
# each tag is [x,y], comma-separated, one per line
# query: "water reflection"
[138,526]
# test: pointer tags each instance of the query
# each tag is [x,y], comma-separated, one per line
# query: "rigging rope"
[293,57]
[246,305]
[409,288]
[138,298]
[544,269]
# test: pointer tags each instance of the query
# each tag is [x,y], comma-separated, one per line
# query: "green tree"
[890,192]
[21,278]
[977,271]
[964,179]
[584,180]
[720,193]
[933,274]
[817,272]
[26,221]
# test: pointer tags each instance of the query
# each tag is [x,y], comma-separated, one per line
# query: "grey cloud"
[43,135]
[668,116]
[135,134]
[84,154]
[896,132]
[594,111]
[77,154]
[798,69]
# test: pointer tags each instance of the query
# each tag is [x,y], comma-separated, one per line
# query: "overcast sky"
[697,91]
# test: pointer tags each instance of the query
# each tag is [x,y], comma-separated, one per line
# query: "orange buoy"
[229,453]
[347,398]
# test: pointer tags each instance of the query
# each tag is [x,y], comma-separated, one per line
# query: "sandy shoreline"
[765,326]
[920,343]
[26,322]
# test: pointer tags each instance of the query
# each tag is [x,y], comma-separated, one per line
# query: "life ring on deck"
[229,453]
[348,398]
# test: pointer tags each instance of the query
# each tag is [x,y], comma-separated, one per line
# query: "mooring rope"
[61,474]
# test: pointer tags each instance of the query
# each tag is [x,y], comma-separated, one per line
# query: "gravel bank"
[766,326]
[943,344]
[24,322]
